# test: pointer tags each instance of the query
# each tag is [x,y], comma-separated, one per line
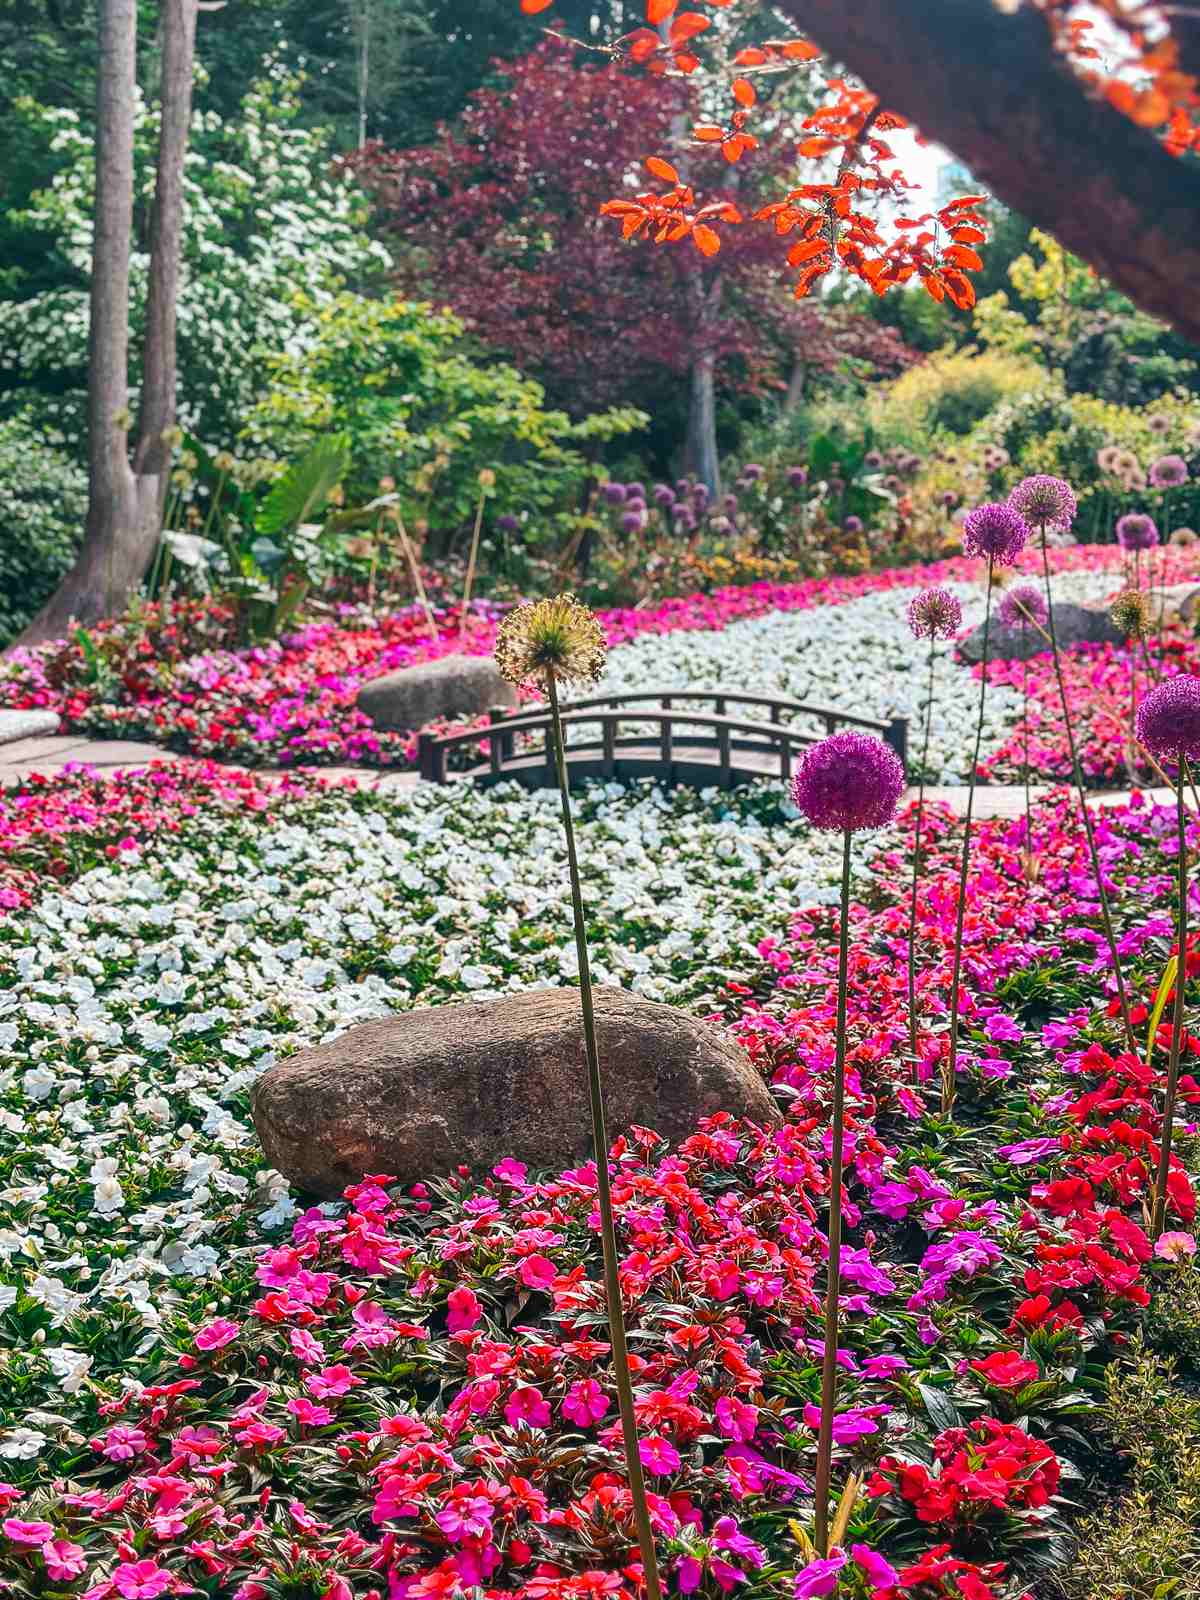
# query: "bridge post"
[504,741]
[896,735]
[425,756]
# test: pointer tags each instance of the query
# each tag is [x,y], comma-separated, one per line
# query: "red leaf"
[706,241]
[960,256]
[815,147]
[743,92]
[969,235]
[806,251]
[798,50]
[934,286]
[661,169]
[658,11]
[708,132]
[960,289]
[686,62]
[752,56]
[643,44]
[532,7]
[687,25]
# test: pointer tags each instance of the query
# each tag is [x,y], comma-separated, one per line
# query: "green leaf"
[1165,985]
[305,486]
[943,1413]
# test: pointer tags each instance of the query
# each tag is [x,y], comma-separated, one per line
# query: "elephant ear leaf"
[305,486]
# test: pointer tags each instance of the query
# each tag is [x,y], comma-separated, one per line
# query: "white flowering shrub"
[265,216]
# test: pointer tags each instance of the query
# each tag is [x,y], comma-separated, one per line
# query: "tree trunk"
[702,421]
[795,389]
[990,86]
[125,508]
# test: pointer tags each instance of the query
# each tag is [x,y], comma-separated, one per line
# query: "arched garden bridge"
[674,736]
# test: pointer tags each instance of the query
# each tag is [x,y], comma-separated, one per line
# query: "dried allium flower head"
[934,614]
[1045,502]
[1137,531]
[848,781]
[1159,423]
[557,636]
[1023,607]
[1168,719]
[1107,457]
[1183,536]
[1130,612]
[995,456]
[1168,472]
[995,530]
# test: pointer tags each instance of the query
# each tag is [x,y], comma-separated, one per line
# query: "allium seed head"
[1168,719]
[1137,531]
[934,614]
[1168,472]
[1045,502]
[1130,613]
[1159,423]
[1023,607]
[1183,536]
[848,781]
[557,636]
[995,530]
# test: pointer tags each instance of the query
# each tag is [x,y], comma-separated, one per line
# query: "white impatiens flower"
[21,1444]
[108,1196]
[70,1367]
[38,1083]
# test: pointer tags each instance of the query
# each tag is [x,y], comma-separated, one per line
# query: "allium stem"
[1159,1212]
[829,1366]
[916,874]
[608,1232]
[1089,830]
[470,577]
[949,1079]
[1025,751]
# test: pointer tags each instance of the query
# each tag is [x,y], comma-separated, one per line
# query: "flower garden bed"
[407,1396]
[843,640]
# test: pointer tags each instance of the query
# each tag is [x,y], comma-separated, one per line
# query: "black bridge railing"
[696,747]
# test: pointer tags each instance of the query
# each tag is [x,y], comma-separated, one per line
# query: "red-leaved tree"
[502,220]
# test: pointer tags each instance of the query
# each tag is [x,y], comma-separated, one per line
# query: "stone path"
[48,754]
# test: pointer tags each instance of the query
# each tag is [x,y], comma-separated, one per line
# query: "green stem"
[912,910]
[949,1081]
[1159,1213]
[1089,831]
[829,1367]
[608,1233]
[1025,750]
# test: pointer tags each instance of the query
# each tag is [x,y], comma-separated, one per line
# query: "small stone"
[422,1092]
[16,725]
[454,687]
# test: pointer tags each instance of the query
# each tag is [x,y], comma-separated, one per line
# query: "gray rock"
[1177,602]
[16,725]
[425,1091]
[454,687]
[1073,624]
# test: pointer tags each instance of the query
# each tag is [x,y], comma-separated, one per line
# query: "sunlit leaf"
[743,92]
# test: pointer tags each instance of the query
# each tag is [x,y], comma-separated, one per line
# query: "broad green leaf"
[305,486]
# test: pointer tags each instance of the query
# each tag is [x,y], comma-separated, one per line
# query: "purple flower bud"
[1168,472]
[507,523]
[1168,719]
[1137,531]
[848,781]
[1045,502]
[1023,607]
[996,531]
[934,614]
[635,503]
[949,499]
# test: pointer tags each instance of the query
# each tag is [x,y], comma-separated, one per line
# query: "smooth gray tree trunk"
[125,500]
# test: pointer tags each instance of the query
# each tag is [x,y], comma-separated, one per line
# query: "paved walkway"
[48,754]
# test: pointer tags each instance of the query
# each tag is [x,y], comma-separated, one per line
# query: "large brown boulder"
[424,1091]
[1072,625]
[454,687]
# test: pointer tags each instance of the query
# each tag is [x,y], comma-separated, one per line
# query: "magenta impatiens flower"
[216,1334]
[585,1402]
[819,1577]
[141,1580]
[659,1455]
[848,781]
[463,1309]
[21,1532]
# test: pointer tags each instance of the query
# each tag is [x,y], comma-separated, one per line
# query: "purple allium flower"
[995,530]
[683,485]
[752,471]
[848,781]
[1023,607]
[934,614]
[507,523]
[1136,530]
[636,488]
[664,495]
[797,477]
[615,493]
[1045,502]
[1168,719]
[635,503]
[1168,472]
[631,522]
[730,502]
[700,495]
[853,525]
[873,460]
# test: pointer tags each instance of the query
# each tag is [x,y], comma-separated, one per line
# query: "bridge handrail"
[784,703]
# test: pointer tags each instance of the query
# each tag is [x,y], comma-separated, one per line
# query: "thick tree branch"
[989,87]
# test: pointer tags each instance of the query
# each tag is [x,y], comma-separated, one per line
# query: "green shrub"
[43,501]
[950,394]
[1146,1545]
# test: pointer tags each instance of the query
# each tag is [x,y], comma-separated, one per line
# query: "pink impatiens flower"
[26,1532]
[585,1402]
[140,1580]
[1174,1246]
[463,1310]
[216,1334]
[63,1559]
[659,1455]
[527,1405]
